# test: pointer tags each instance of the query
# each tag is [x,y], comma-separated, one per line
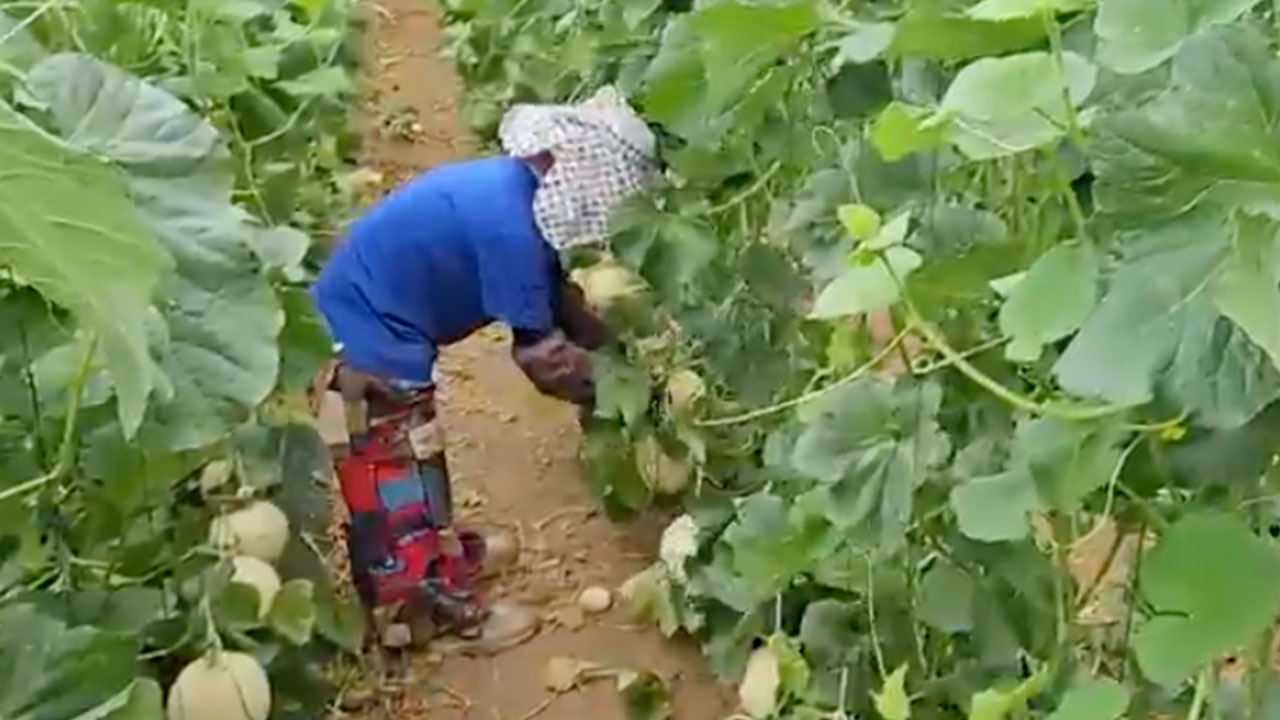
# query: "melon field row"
[951,339]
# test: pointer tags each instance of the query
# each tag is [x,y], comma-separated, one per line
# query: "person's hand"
[558,367]
[574,316]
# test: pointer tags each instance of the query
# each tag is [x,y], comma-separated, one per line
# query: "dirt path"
[514,454]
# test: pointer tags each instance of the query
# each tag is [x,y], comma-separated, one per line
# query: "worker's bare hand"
[574,316]
[558,368]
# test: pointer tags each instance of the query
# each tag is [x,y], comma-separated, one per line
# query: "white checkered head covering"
[604,153]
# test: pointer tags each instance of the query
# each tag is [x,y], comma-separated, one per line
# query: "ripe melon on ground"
[259,530]
[758,692]
[220,686]
[257,574]
[607,283]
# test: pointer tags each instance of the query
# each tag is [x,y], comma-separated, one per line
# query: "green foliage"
[165,167]
[892,701]
[1093,700]
[1132,39]
[1065,212]
[1051,301]
[96,258]
[1204,606]
[870,285]
[1002,106]
[52,670]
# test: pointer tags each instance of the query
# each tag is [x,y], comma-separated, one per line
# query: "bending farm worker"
[462,246]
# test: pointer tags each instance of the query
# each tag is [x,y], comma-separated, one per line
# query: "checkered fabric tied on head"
[604,154]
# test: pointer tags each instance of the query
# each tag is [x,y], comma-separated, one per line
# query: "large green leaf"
[1203,604]
[143,700]
[1211,139]
[1158,328]
[1093,699]
[945,597]
[1066,460]
[223,316]
[868,286]
[847,567]
[872,445]
[305,343]
[622,389]
[865,42]
[1248,288]
[612,473]
[829,633]
[1012,9]
[709,58]
[50,672]
[1137,35]
[120,610]
[293,613]
[676,82]
[924,32]
[967,248]
[1002,106]
[1000,702]
[69,229]
[323,82]
[18,48]
[669,250]
[1051,302]
[111,113]
[133,477]
[902,129]
[739,39]
[1053,464]
[996,507]
[772,543]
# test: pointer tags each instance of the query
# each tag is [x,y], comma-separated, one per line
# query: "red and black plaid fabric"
[395,482]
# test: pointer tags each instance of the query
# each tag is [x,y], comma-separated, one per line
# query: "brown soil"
[514,455]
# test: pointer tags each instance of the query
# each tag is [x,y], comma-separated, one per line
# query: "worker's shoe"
[506,626]
[490,552]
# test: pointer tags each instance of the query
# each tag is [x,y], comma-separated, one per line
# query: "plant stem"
[1074,130]
[743,196]
[67,451]
[815,394]
[29,380]
[1201,694]
[966,354]
[75,394]
[250,174]
[25,487]
[1062,590]
[1131,600]
[1059,410]
[1149,512]
[1069,196]
[1068,106]
[27,21]
[211,626]
[871,619]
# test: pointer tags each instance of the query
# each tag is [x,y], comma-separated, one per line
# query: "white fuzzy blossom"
[679,543]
